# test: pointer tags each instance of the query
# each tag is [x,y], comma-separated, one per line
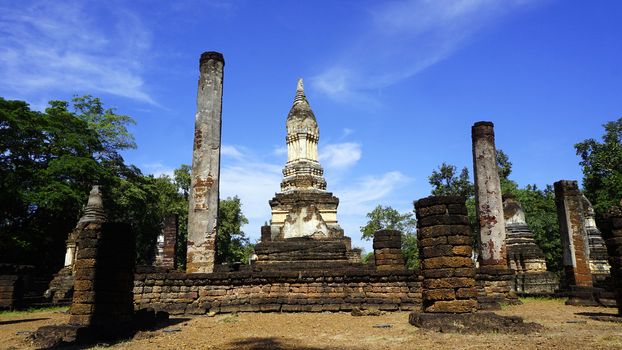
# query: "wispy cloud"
[406,37]
[255,178]
[52,46]
[365,193]
[340,155]
[158,169]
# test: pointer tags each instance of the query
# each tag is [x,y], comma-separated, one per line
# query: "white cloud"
[158,169]
[367,192]
[340,155]
[406,37]
[230,151]
[51,46]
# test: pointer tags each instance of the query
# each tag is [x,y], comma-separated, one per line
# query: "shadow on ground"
[23,320]
[271,343]
[602,316]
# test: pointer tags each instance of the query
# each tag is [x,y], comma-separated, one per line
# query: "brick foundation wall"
[291,291]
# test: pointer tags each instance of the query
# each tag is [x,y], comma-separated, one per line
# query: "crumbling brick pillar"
[388,250]
[613,240]
[167,242]
[204,187]
[104,277]
[445,249]
[489,204]
[573,235]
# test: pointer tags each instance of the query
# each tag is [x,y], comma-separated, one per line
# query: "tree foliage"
[387,218]
[446,182]
[48,163]
[232,245]
[602,167]
[539,205]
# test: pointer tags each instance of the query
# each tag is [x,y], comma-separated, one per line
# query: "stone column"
[445,249]
[167,241]
[489,204]
[614,248]
[204,187]
[388,250]
[104,277]
[573,236]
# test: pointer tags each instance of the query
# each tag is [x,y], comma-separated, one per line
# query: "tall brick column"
[204,187]
[613,235]
[573,235]
[104,277]
[489,204]
[167,242]
[444,239]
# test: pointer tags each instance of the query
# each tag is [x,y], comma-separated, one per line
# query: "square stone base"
[480,322]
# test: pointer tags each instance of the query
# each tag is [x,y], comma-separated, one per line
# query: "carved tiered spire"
[302,171]
[300,93]
[94,211]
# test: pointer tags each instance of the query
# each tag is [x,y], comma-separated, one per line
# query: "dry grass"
[566,327]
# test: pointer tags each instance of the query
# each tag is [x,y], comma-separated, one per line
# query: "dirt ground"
[566,327]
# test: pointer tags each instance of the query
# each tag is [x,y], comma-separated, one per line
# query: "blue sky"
[395,85]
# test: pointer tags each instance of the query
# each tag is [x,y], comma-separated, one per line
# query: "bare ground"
[566,327]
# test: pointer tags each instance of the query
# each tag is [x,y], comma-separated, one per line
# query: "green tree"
[387,218]
[48,163]
[231,243]
[539,205]
[111,127]
[446,182]
[541,216]
[602,167]
[46,171]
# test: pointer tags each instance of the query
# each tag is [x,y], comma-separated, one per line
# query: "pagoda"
[303,232]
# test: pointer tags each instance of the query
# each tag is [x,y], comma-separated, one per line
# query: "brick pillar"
[204,187]
[388,250]
[445,248]
[614,248]
[573,235]
[489,204]
[167,241]
[104,277]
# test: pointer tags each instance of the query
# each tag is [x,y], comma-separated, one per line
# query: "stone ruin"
[524,255]
[599,266]
[495,278]
[449,288]
[304,260]
[613,221]
[303,232]
[60,291]
[166,243]
[205,176]
[103,271]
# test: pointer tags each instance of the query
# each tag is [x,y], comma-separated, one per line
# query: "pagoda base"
[306,253]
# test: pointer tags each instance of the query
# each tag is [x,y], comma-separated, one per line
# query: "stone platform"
[480,322]
[305,253]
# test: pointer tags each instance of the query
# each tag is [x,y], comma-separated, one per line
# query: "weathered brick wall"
[9,296]
[388,250]
[104,269]
[613,239]
[445,250]
[572,232]
[292,291]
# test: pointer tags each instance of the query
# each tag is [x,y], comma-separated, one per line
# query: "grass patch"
[229,318]
[33,310]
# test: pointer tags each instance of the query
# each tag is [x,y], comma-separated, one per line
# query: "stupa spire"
[300,93]
[94,211]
